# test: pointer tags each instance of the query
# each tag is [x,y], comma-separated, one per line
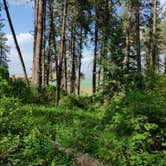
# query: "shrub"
[4,82]
[4,74]
[73,102]
[47,94]
[134,127]
[21,90]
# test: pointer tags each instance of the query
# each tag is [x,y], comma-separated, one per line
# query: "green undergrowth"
[126,128]
[27,132]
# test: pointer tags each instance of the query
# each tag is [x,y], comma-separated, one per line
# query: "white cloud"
[163,2]
[25,41]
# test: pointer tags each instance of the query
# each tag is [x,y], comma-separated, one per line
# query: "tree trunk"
[73,74]
[16,42]
[65,72]
[127,42]
[36,4]
[63,43]
[79,61]
[165,63]
[105,39]
[99,67]
[138,47]
[154,41]
[49,51]
[95,56]
[44,47]
[52,36]
[38,46]
[127,51]
[59,76]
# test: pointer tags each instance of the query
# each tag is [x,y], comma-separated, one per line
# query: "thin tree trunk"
[38,48]
[16,42]
[127,42]
[63,43]
[44,47]
[99,67]
[59,76]
[65,71]
[53,34]
[79,62]
[165,63]
[105,38]
[99,76]
[36,3]
[73,74]
[127,50]
[95,58]
[138,47]
[154,41]
[48,59]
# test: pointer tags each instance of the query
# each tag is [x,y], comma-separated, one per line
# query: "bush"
[4,74]
[22,91]
[4,82]
[134,127]
[48,94]
[74,102]
[17,88]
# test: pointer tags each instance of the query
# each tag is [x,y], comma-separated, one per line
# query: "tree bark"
[95,56]
[38,46]
[36,4]
[65,72]
[138,44]
[154,41]
[165,63]
[79,61]
[59,76]
[44,46]
[73,72]
[127,51]
[105,39]
[16,42]
[127,42]
[63,43]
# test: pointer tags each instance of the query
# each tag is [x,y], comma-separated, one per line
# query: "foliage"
[74,102]
[4,48]
[47,94]
[126,128]
[4,81]
[134,129]
[18,88]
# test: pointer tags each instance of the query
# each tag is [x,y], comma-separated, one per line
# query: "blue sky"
[22,16]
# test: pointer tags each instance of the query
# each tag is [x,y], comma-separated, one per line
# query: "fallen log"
[80,158]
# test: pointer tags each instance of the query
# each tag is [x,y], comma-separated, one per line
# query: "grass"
[33,127]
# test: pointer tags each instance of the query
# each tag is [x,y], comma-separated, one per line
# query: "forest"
[48,117]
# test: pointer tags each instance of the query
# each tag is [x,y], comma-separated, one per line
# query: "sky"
[22,14]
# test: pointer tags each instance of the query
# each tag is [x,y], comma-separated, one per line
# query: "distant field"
[86,86]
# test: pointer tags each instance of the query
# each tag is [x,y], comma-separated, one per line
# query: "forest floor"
[36,130]
[127,130]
